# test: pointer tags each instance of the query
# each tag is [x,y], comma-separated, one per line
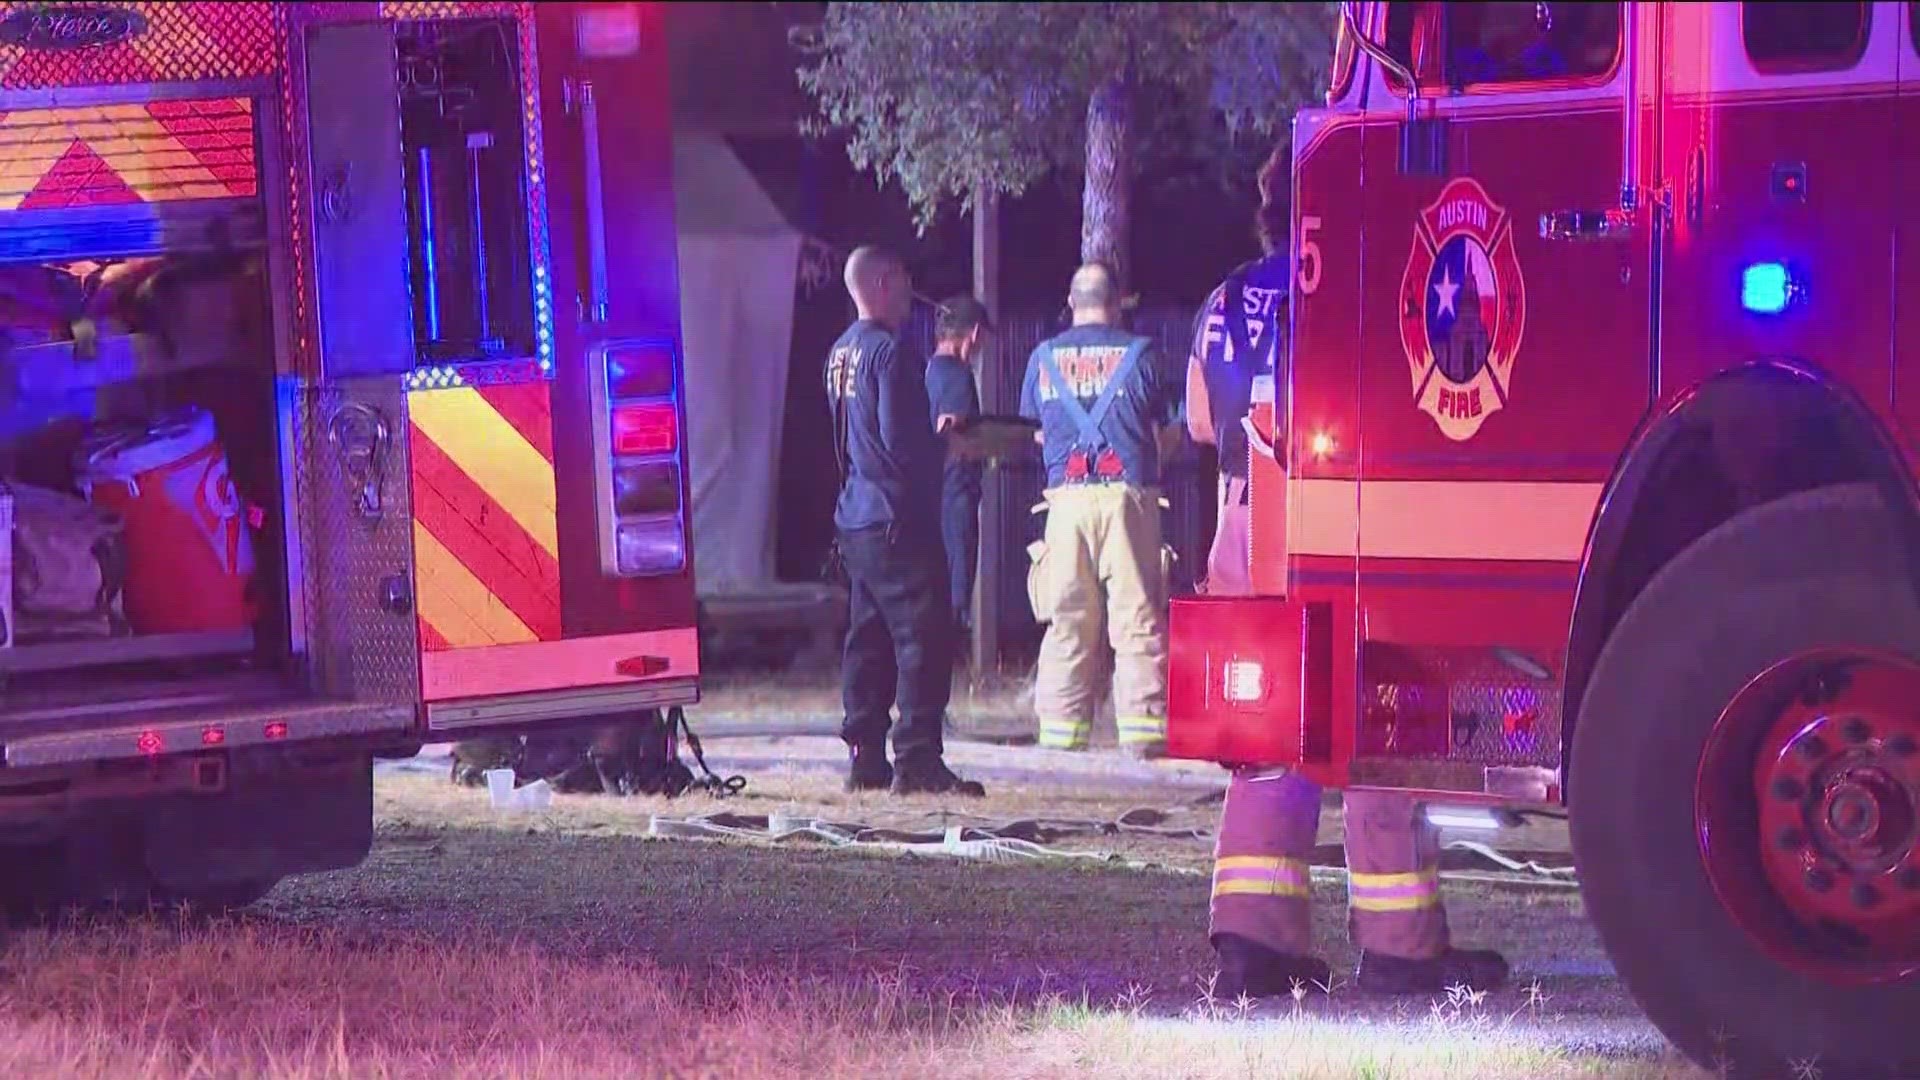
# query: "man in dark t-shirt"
[887,521]
[960,336]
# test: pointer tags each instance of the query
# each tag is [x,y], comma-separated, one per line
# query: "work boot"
[868,769]
[1249,969]
[1475,969]
[934,778]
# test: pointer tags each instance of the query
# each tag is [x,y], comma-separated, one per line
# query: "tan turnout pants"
[1100,578]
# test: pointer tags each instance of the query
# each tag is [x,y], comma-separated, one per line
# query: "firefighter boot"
[1475,969]
[1394,910]
[868,769]
[1259,919]
[930,776]
[1251,970]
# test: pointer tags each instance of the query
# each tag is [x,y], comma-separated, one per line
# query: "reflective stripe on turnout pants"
[1097,579]
[1260,883]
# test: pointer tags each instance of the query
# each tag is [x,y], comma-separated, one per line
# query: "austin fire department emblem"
[1463,309]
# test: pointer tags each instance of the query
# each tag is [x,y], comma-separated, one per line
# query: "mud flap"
[284,812]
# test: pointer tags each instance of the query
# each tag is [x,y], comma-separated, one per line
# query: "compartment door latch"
[360,438]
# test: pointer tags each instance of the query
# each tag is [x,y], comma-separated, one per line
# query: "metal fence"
[1187,481]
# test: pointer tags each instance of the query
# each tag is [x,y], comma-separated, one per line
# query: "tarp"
[738,260]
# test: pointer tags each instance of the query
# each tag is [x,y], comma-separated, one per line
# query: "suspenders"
[1093,456]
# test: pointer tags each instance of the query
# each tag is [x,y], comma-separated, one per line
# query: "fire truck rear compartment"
[139,460]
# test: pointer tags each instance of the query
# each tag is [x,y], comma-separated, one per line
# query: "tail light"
[645,430]
[637,419]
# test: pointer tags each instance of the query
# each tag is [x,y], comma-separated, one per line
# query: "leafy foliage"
[940,96]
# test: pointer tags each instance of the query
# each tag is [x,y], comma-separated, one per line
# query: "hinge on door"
[1696,186]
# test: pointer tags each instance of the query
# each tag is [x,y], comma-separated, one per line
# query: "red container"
[1250,681]
[189,554]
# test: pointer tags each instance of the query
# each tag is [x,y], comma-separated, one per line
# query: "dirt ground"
[579,941]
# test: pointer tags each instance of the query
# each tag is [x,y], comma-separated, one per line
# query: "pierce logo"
[1463,309]
[76,26]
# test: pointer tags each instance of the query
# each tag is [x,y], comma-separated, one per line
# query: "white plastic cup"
[500,787]
[535,796]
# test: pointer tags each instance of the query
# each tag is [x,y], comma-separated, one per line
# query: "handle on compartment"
[580,95]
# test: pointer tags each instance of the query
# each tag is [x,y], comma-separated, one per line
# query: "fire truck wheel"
[1689,913]
[216,899]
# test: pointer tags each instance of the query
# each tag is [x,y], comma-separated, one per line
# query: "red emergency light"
[645,430]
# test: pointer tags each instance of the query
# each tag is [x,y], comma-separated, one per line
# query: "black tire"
[1821,568]
[209,900]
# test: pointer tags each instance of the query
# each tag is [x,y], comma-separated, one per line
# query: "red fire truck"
[339,413]
[1591,480]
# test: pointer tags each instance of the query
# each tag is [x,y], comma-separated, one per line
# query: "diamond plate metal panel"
[1457,705]
[183,42]
[364,645]
[451,9]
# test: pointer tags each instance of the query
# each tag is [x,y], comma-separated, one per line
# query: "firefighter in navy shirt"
[1259,921]
[898,648]
[960,335]
[1101,401]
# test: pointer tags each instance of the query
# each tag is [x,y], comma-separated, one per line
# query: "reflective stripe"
[1394,892]
[1142,729]
[1255,875]
[1064,734]
[1441,519]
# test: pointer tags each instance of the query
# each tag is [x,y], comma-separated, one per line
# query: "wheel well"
[1745,437]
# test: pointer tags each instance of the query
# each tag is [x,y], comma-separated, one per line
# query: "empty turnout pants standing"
[1261,890]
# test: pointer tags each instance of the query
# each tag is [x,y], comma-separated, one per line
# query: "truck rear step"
[63,727]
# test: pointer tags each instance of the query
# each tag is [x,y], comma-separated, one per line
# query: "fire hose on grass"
[1026,840]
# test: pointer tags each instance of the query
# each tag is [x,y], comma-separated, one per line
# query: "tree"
[956,99]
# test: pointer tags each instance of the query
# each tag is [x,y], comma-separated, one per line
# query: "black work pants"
[898,641]
[960,532]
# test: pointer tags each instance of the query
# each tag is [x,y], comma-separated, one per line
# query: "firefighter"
[887,521]
[960,334]
[1259,921]
[1100,398]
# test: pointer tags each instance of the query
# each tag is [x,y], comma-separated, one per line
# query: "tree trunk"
[1106,205]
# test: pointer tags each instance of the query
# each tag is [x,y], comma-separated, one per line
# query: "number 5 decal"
[1309,255]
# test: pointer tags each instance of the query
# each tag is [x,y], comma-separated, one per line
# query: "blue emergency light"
[1767,288]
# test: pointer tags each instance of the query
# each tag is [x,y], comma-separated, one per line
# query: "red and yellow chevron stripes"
[485,529]
[96,155]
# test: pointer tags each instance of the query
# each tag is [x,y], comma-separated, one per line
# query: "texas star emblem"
[1463,309]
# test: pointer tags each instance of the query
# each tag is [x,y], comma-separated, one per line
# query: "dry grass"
[477,944]
[235,1000]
